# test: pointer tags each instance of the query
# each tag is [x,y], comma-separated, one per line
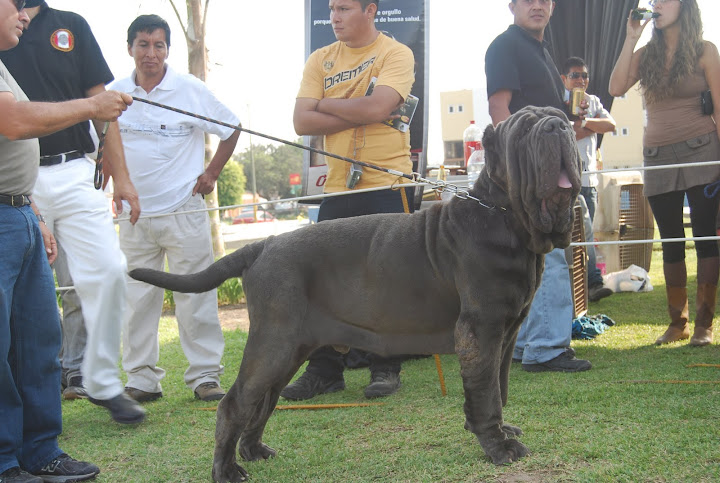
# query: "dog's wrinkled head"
[533,157]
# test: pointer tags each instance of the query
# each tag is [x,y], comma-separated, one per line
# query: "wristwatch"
[40,218]
[583,123]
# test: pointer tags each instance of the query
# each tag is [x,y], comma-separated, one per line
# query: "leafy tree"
[231,184]
[273,166]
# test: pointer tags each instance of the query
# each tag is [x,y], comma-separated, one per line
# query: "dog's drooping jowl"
[457,277]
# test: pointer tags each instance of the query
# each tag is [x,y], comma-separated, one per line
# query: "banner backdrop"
[407,22]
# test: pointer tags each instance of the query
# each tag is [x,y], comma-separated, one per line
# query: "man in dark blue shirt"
[520,72]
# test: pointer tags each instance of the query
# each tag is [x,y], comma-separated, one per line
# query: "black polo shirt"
[518,62]
[58,59]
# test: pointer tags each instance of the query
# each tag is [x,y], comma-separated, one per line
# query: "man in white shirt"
[597,121]
[165,154]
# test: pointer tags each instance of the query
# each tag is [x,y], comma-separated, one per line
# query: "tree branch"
[184,28]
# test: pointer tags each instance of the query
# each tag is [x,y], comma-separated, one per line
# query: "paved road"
[236,236]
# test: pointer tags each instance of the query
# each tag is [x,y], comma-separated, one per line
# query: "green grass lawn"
[625,420]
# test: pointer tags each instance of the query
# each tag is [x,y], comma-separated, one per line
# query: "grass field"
[643,413]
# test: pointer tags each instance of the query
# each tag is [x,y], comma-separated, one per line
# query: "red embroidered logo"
[63,40]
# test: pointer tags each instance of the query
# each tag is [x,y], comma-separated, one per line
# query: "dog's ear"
[489,142]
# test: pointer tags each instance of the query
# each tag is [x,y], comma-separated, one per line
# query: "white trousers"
[79,217]
[185,240]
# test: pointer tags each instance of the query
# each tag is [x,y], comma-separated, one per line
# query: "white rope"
[455,191]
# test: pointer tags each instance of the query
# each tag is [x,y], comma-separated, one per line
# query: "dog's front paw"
[506,451]
[511,431]
[255,452]
[231,473]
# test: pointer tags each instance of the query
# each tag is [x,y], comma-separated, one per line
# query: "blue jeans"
[29,345]
[546,332]
[589,194]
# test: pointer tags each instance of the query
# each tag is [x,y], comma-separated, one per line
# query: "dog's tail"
[227,267]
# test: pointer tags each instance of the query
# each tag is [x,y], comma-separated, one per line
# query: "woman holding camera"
[674,69]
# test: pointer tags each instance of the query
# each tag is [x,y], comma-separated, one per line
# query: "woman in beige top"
[673,69]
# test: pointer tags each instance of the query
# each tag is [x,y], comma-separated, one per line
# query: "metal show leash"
[440,185]
[99,175]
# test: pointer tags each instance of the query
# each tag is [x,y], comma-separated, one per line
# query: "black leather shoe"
[565,362]
[123,408]
[382,383]
[309,385]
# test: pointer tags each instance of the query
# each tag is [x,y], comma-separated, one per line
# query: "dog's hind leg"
[251,447]
[245,409]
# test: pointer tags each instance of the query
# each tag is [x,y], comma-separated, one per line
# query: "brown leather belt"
[15,200]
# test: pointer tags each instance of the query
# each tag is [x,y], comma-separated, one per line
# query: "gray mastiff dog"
[458,277]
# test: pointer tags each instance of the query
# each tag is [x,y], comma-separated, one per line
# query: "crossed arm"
[331,115]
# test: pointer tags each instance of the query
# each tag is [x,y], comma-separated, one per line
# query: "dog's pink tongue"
[563,180]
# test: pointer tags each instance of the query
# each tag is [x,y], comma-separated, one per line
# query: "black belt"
[54,159]
[15,200]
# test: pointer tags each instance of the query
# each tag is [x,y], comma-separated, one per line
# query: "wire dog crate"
[578,266]
[623,214]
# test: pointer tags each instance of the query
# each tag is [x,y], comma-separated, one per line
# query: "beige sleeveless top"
[678,118]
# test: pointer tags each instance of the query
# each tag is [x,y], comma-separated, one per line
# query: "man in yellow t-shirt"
[348,89]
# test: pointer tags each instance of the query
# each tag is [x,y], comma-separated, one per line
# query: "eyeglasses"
[19,4]
[577,75]
[655,2]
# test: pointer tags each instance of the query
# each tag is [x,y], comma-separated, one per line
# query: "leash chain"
[415,177]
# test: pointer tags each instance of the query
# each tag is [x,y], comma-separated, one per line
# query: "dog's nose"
[555,124]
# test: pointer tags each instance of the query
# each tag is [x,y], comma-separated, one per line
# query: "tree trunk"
[197,66]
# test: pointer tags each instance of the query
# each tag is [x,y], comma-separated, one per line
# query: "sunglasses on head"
[577,75]
[19,4]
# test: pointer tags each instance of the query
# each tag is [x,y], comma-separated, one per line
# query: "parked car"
[247,217]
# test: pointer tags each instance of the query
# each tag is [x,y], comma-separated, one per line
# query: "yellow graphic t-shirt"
[338,71]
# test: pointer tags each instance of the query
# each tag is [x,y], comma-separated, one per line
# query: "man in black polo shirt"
[520,72]
[58,59]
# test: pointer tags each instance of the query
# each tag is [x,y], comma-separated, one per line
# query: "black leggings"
[668,211]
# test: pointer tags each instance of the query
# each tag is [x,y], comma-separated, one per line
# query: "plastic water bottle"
[472,140]
[474,166]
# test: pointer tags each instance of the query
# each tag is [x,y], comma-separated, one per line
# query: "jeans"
[326,361]
[546,332]
[74,334]
[29,345]
[588,194]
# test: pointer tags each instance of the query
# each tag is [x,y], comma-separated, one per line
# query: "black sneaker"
[16,475]
[64,469]
[382,383]
[75,389]
[309,385]
[123,408]
[597,292]
[565,362]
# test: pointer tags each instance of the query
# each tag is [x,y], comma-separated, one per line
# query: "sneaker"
[74,389]
[565,362]
[123,409]
[309,385]
[382,383]
[597,292]
[65,469]
[142,396]
[209,391]
[16,475]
